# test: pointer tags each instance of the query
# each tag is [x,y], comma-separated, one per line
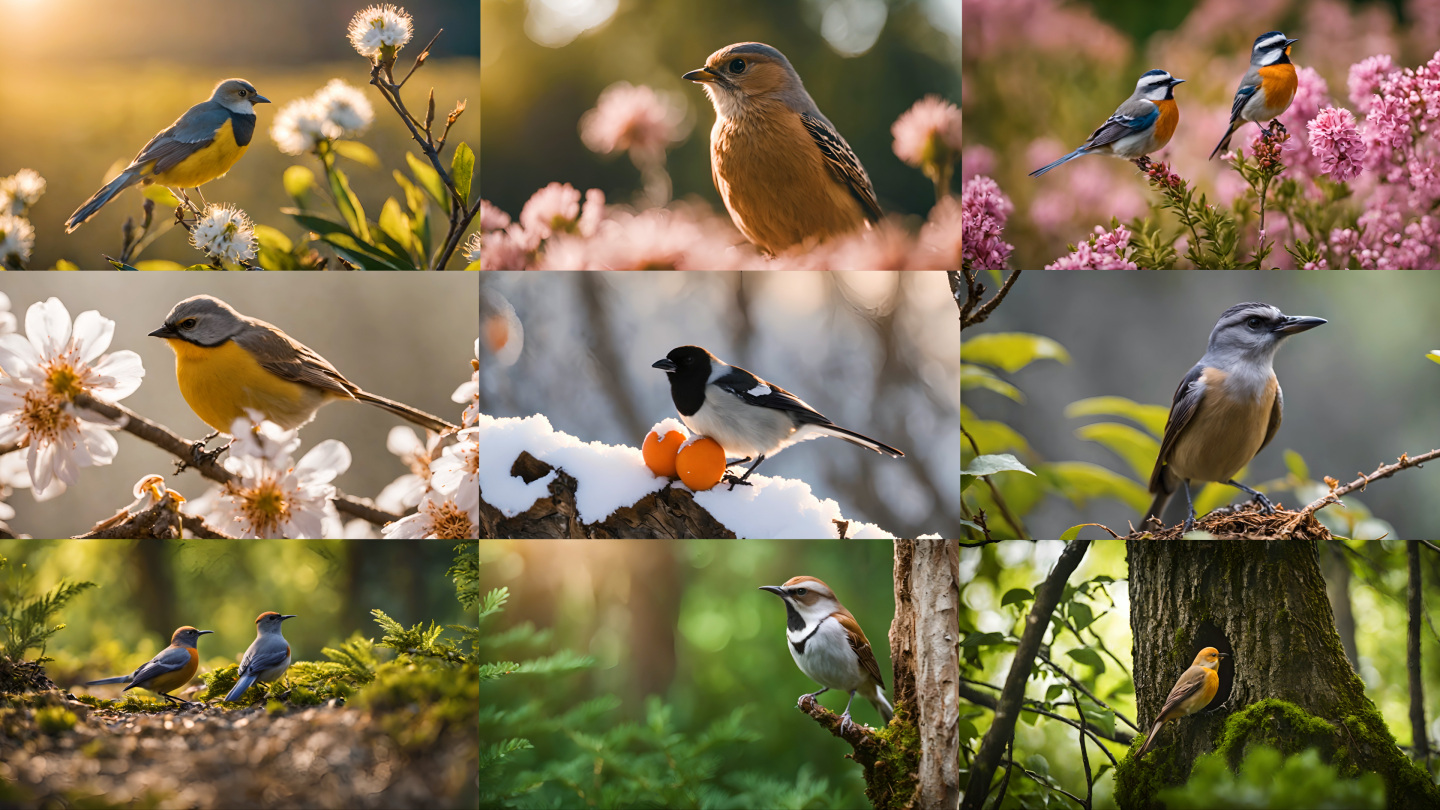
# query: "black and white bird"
[744,413]
[829,646]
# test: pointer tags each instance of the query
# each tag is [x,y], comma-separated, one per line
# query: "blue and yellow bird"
[1141,125]
[1267,89]
[200,146]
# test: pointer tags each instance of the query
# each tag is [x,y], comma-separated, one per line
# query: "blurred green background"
[147,588]
[684,622]
[545,63]
[1368,576]
[100,78]
[408,338]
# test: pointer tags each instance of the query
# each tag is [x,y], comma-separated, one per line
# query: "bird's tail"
[1224,144]
[102,681]
[123,181]
[419,417]
[245,682]
[1150,742]
[1157,508]
[881,704]
[861,439]
[1066,159]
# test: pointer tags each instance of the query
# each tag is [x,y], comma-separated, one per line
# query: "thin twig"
[970,315]
[1084,756]
[1078,685]
[1334,495]
[982,699]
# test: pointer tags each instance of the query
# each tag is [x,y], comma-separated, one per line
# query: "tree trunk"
[1337,587]
[1264,603]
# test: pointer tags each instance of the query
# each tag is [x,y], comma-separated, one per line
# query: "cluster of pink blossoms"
[984,210]
[1106,253]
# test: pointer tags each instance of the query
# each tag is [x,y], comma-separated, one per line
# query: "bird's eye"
[188,323]
[800,591]
[1254,322]
[737,65]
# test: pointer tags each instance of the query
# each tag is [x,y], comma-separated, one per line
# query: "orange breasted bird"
[1195,689]
[1267,89]
[268,656]
[1143,124]
[169,670]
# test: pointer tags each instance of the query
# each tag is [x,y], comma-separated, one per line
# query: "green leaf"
[118,265]
[990,436]
[396,225]
[989,465]
[163,265]
[429,180]
[1150,417]
[273,237]
[1135,447]
[299,181]
[1054,691]
[968,731]
[1097,716]
[1081,615]
[1038,764]
[1080,481]
[968,524]
[360,254]
[358,152]
[276,249]
[973,377]
[315,222]
[1016,596]
[982,639]
[1088,657]
[348,205]
[161,195]
[419,212]
[1074,531]
[462,168]
[1295,463]
[1435,355]
[1011,351]
[64,264]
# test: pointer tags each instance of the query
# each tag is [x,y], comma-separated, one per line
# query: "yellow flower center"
[449,521]
[64,381]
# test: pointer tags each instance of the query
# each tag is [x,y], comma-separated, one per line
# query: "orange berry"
[659,452]
[701,463]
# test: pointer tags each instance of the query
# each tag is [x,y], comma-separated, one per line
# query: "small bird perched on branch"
[1193,692]
[785,173]
[829,646]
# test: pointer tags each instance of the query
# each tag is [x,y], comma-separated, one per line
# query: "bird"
[267,658]
[1267,88]
[1194,691]
[1141,125]
[202,145]
[829,646]
[744,413]
[783,170]
[1228,408]
[170,669]
[227,363]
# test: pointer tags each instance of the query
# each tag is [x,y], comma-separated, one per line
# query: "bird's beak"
[259,99]
[203,632]
[291,616]
[1174,81]
[666,365]
[1223,655]
[1299,323]
[165,332]
[703,75]
[1290,42]
[775,589]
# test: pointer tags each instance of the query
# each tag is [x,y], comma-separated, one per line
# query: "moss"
[417,700]
[1135,785]
[1280,724]
[897,762]
[55,720]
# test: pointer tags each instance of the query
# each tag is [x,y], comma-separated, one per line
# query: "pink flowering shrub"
[1105,250]
[1334,139]
[985,209]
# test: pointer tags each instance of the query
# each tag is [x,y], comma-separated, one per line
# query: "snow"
[612,476]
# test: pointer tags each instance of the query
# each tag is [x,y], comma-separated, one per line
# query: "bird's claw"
[845,723]
[1266,507]
[735,480]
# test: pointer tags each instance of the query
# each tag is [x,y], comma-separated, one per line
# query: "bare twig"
[1334,495]
[1412,656]
[972,311]
[982,699]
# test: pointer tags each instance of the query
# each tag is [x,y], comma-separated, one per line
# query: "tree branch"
[982,699]
[972,312]
[1333,496]
[1412,657]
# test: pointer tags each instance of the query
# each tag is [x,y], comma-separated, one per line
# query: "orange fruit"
[701,463]
[659,452]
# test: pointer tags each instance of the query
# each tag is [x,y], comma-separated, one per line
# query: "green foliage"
[1012,351]
[356,658]
[1266,779]
[418,640]
[27,616]
[55,720]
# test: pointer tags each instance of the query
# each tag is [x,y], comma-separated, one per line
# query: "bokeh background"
[1366,581]
[407,338]
[875,352]
[1358,390]
[682,622]
[546,62]
[1041,75]
[93,80]
[147,588]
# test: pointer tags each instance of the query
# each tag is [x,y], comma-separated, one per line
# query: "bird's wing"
[1132,117]
[1248,86]
[168,660]
[261,661]
[289,359]
[1190,684]
[860,645]
[843,164]
[1187,397]
[754,391]
[1277,412]
[191,132]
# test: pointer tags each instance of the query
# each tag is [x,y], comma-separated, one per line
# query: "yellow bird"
[1194,691]
[200,146]
[226,362]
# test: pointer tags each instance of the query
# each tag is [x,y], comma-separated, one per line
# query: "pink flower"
[1311,94]
[491,217]
[984,211]
[553,208]
[594,212]
[506,250]
[1366,77]
[943,234]
[976,159]
[628,117]
[1104,251]
[928,132]
[1335,140]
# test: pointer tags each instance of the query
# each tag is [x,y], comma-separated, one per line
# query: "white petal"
[92,335]
[48,325]
[402,440]
[324,461]
[123,371]
[17,355]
